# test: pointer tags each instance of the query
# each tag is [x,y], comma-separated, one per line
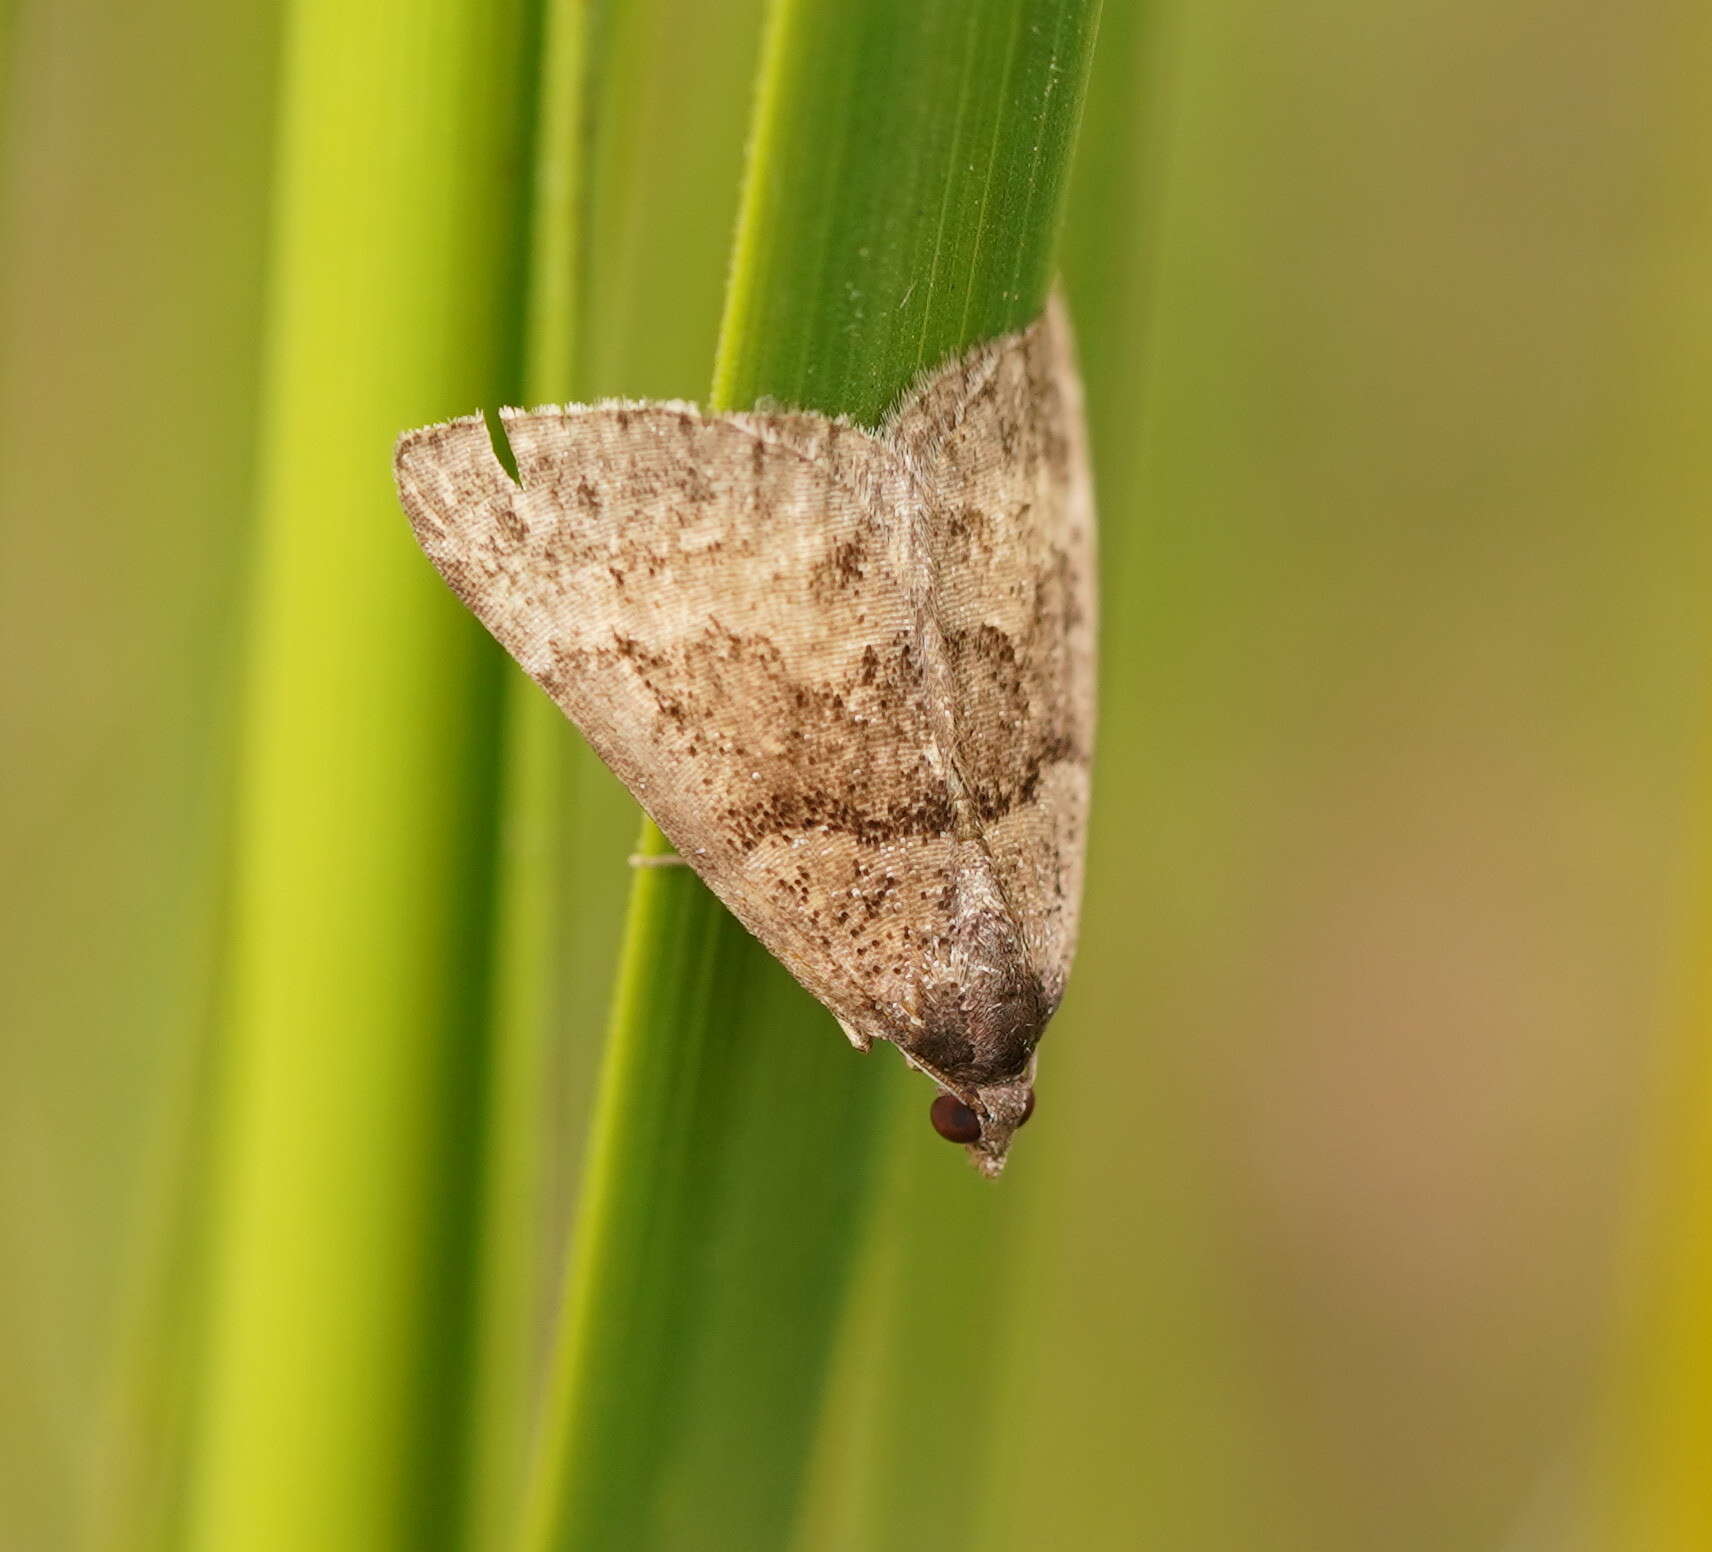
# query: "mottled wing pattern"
[997,440]
[716,601]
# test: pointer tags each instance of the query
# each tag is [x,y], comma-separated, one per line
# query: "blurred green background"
[1375,1114]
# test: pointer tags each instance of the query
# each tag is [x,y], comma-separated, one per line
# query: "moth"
[848,672]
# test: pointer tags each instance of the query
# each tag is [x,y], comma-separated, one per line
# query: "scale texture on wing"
[849,674]
[715,601]
[998,439]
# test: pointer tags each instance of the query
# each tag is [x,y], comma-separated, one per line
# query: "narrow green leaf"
[638,156]
[662,132]
[333,1377]
[532,886]
[903,198]
[911,163]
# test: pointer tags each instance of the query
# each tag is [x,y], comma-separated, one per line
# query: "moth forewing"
[848,673]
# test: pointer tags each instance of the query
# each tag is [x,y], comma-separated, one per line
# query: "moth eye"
[954,1120]
[1027,1108]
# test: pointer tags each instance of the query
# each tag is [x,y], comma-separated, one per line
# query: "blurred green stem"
[530,918]
[333,1384]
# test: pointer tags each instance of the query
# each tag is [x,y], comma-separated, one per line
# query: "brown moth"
[849,673]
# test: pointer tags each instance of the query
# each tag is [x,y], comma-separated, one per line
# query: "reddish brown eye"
[954,1120]
[1027,1107]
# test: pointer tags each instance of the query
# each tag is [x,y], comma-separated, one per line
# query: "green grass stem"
[638,157]
[533,885]
[904,192]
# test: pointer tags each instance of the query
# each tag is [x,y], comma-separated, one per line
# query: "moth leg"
[669,859]
[863,1043]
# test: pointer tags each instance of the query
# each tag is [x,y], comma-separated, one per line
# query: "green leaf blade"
[911,165]
[906,180]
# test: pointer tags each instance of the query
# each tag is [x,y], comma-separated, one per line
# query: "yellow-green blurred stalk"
[333,1372]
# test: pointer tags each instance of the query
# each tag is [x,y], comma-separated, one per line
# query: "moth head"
[979,1045]
[983,1120]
